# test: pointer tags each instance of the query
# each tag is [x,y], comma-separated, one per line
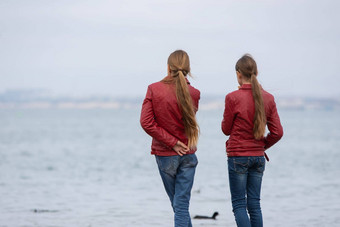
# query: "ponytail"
[260,115]
[246,65]
[187,108]
[179,65]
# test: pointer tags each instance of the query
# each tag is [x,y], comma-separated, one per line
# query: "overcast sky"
[117,48]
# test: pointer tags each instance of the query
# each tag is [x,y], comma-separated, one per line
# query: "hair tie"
[183,71]
[176,72]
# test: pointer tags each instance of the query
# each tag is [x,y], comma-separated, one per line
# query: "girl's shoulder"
[194,90]
[234,94]
[232,97]
[266,95]
[156,84]
[159,87]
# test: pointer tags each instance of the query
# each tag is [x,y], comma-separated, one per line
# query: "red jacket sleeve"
[196,101]
[274,127]
[228,116]
[150,126]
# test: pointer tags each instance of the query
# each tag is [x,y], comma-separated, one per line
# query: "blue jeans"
[245,178]
[178,173]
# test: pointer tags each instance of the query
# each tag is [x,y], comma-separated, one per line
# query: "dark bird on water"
[43,211]
[207,217]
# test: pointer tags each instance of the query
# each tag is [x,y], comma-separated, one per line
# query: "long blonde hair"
[246,65]
[179,65]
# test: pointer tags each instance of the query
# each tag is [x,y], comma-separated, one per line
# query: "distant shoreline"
[36,99]
[211,104]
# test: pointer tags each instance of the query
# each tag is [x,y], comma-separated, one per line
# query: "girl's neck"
[244,82]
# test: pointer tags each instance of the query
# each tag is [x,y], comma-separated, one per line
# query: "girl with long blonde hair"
[248,111]
[168,116]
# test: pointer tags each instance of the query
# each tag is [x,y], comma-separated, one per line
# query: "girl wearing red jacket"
[168,116]
[247,113]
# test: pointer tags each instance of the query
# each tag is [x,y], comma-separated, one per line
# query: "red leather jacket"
[161,117]
[238,123]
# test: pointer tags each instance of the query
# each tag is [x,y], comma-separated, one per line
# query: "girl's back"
[161,98]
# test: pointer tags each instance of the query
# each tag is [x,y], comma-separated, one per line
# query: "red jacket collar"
[245,87]
[185,79]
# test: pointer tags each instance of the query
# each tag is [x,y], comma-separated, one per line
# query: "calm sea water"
[94,168]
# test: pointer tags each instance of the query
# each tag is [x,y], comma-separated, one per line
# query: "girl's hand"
[180,148]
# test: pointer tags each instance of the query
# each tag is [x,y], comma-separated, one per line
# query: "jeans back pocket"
[189,161]
[167,164]
[238,164]
[260,165]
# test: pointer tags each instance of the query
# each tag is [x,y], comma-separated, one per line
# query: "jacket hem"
[245,153]
[169,153]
